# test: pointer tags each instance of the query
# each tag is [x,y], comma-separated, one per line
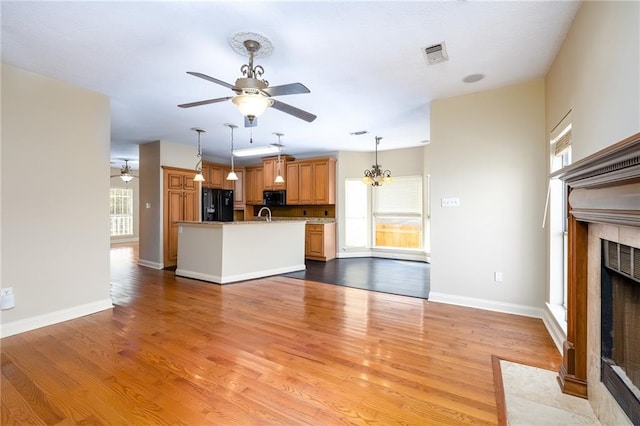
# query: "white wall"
[134,185]
[55,231]
[597,75]
[488,149]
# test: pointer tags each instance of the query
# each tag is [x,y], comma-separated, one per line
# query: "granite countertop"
[307,219]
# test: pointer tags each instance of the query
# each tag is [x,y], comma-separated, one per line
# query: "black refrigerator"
[217,205]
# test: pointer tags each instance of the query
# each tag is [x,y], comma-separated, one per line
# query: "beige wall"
[55,203]
[596,74]
[488,149]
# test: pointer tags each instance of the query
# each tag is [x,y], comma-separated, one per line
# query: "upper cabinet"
[312,181]
[254,184]
[213,175]
[271,167]
[307,182]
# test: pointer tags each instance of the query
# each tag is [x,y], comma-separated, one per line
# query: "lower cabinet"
[320,241]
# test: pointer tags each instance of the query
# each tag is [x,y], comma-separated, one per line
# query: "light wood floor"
[265,352]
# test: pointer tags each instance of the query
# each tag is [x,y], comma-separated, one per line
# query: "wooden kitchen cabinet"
[270,170]
[213,175]
[324,181]
[181,203]
[238,187]
[254,181]
[293,183]
[311,181]
[320,241]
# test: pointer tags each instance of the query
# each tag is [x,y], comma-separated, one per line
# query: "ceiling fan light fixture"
[126,177]
[251,104]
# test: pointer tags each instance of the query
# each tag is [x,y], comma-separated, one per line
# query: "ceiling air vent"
[436,53]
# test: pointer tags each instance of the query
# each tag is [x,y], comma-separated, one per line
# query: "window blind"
[402,196]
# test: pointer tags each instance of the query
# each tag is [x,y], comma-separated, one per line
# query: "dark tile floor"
[402,277]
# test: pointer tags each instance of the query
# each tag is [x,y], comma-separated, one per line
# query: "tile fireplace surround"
[604,205]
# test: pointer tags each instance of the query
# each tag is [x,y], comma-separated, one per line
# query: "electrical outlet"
[450,202]
[497,277]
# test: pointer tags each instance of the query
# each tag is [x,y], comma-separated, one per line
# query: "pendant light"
[232,174]
[198,177]
[279,178]
[376,176]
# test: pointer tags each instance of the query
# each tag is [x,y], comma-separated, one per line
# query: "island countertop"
[226,252]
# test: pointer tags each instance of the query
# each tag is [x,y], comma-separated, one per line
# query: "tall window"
[356,213]
[121,211]
[397,213]
[560,157]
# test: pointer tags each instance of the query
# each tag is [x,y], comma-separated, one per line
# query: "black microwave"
[274,198]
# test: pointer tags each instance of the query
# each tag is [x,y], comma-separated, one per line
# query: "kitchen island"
[227,252]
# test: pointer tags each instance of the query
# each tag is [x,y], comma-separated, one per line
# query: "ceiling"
[363,62]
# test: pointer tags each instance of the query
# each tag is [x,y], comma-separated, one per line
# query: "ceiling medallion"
[238,45]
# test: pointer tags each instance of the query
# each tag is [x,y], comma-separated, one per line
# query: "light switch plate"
[450,202]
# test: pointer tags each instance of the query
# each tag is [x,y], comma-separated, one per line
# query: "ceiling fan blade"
[213,80]
[207,102]
[287,89]
[296,112]
[253,123]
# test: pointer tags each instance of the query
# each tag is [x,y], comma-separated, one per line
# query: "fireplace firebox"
[620,325]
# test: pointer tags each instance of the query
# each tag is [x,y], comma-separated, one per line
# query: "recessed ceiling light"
[473,78]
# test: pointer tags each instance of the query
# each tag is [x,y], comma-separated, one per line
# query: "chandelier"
[376,176]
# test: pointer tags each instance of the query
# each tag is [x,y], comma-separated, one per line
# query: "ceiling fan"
[252,94]
[125,173]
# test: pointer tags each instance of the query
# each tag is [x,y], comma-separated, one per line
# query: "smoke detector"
[436,53]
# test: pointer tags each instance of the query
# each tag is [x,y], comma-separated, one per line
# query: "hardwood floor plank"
[272,351]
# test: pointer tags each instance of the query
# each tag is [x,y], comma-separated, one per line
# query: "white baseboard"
[150,264]
[350,254]
[228,279]
[28,324]
[490,305]
[419,257]
[124,240]
[556,330]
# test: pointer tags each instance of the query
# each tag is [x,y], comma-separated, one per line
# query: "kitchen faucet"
[268,217]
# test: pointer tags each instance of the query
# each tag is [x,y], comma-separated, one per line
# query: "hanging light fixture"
[198,177]
[279,178]
[232,174]
[376,176]
[125,172]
